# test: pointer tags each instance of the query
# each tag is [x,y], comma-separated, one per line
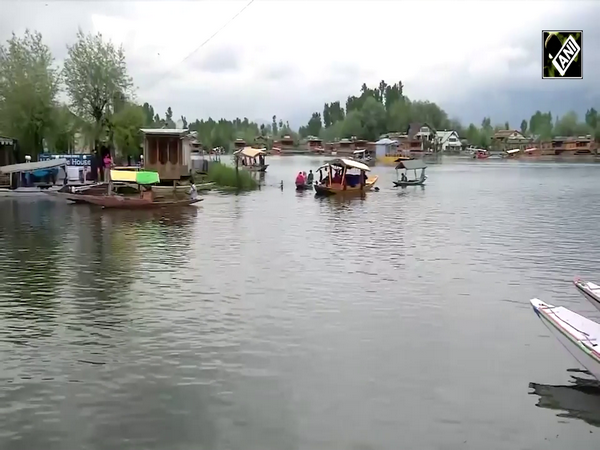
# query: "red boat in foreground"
[116,201]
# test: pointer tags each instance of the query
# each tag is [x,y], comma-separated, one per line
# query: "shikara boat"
[144,180]
[17,174]
[481,154]
[304,187]
[120,202]
[590,291]
[512,154]
[252,159]
[406,165]
[580,336]
[338,180]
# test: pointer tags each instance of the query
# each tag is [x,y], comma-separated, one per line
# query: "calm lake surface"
[275,320]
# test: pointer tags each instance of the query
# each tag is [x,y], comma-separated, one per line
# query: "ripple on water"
[277,320]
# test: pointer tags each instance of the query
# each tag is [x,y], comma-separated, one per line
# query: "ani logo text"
[562,54]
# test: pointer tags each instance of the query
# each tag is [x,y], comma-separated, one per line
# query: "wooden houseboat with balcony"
[286,144]
[315,145]
[168,152]
[570,146]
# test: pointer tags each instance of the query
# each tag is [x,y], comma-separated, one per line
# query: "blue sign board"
[78,160]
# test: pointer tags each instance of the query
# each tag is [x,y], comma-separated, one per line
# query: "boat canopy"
[32,167]
[250,152]
[530,150]
[139,177]
[513,151]
[344,162]
[359,152]
[411,164]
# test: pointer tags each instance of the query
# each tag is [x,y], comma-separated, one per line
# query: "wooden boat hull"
[262,168]
[575,332]
[304,187]
[409,183]
[118,202]
[590,291]
[337,189]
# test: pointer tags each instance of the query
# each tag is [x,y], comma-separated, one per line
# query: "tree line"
[385,109]
[101,109]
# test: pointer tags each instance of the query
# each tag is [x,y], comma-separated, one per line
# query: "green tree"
[274,127]
[373,119]
[28,91]
[523,127]
[569,125]
[313,128]
[591,118]
[95,74]
[148,114]
[64,126]
[127,123]
[506,126]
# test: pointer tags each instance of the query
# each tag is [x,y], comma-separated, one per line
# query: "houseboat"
[252,159]
[168,152]
[286,145]
[315,145]
[335,178]
[570,146]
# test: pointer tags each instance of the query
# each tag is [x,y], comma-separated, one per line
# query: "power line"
[164,75]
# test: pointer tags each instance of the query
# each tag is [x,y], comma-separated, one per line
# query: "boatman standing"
[193,192]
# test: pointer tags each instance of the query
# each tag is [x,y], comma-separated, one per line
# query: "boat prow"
[591,291]
[579,335]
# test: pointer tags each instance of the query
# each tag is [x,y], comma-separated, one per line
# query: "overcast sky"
[473,58]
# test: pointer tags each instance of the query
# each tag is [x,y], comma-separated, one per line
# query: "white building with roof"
[448,141]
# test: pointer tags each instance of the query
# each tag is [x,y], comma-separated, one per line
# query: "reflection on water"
[579,400]
[276,320]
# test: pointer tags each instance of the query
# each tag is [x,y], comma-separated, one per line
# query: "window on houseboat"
[152,150]
[174,151]
[163,155]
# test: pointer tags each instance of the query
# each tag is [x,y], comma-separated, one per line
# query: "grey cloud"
[218,60]
[57,21]
[277,72]
[526,91]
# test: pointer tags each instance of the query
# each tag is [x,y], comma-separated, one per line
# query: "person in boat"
[365,177]
[146,193]
[403,177]
[193,192]
[300,179]
[310,178]
[337,178]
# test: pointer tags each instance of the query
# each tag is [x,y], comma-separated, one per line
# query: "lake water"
[275,320]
